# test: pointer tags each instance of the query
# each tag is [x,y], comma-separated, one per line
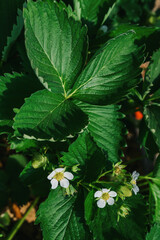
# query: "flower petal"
[51,175]
[110,201]
[135,175]
[104,190]
[64,183]
[112,194]
[59,169]
[54,183]
[101,203]
[98,194]
[68,175]
[135,189]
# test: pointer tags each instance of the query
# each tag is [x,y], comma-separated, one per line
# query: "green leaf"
[30,175]
[134,11]
[59,219]
[6,126]
[89,207]
[142,32]
[146,140]
[154,234]
[105,127]
[152,116]
[154,67]
[92,12]
[60,45]
[48,116]
[144,35]
[155,193]
[35,178]
[152,80]
[111,73]
[156,95]
[68,9]
[22,145]
[17,28]
[85,153]
[13,89]
[8,14]
[105,226]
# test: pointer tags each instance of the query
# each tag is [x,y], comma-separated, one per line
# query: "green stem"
[104,182]
[21,221]
[103,174]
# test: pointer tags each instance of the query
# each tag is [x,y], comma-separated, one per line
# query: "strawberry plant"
[78,83]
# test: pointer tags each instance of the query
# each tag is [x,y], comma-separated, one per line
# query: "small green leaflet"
[48,116]
[60,45]
[68,9]
[152,118]
[111,73]
[105,127]
[84,152]
[59,219]
[154,234]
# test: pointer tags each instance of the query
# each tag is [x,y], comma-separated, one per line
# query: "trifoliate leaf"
[59,219]
[105,127]
[48,116]
[60,43]
[111,73]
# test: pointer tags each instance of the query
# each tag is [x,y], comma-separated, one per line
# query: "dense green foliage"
[70,85]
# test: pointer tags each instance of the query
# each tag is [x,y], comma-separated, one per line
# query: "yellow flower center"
[105,196]
[59,176]
[133,182]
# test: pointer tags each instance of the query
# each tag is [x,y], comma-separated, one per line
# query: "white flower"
[59,175]
[105,195]
[135,176]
